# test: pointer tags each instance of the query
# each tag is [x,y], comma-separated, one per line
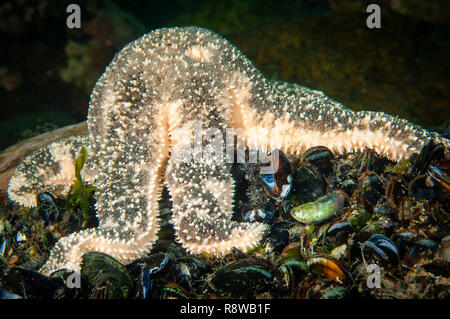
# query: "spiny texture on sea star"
[145,106]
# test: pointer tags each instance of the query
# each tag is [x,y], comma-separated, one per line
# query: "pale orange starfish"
[145,106]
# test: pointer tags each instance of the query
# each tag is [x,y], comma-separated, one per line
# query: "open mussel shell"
[422,248]
[321,158]
[439,176]
[289,275]
[369,160]
[328,267]
[319,210]
[371,191]
[47,208]
[339,232]
[277,181]
[188,269]
[420,189]
[277,238]
[243,278]
[105,276]
[151,268]
[308,184]
[381,250]
[395,192]
[431,151]
[173,291]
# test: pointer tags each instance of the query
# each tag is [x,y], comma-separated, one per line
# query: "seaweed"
[80,195]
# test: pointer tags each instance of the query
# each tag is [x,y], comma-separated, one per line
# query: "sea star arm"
[202,197]
[127,196]
[319,120]
[129,138]
[299,118]
[50,169]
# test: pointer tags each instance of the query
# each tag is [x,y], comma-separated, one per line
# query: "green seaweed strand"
[80,194]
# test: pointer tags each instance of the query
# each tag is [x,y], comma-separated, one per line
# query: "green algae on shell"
[319,210]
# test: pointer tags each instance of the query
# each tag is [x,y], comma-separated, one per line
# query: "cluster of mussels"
[341,227]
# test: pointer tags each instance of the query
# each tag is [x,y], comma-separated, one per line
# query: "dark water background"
[47,71]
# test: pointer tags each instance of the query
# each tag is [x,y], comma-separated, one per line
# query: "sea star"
[145,106]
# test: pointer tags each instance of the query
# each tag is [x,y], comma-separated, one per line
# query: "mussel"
[431,151]
[152,269]
[277,183]
[320,210]
[277,238]
[371,191]
[321,158]
[188,269]
[439,176]
[106,277]
[339,232]
[173,291]
[420,189]
[395,192]
[47,208]
[329,267]
[369,160]
[381,249]
[289,275]
[422,248]
[308,184]
[243,278]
